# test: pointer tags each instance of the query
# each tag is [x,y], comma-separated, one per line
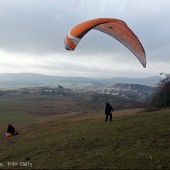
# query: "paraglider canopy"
[111,26]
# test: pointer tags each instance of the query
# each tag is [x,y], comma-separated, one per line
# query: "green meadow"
[135,139]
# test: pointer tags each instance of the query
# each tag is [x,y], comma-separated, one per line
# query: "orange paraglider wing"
[113,27]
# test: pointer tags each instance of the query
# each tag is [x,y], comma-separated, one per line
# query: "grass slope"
[84,141]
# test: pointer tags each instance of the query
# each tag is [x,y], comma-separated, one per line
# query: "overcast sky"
[32,37]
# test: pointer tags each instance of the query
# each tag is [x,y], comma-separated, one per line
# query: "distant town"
[122,92]
[137,92]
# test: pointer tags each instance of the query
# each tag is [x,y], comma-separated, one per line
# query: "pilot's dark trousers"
[108,115]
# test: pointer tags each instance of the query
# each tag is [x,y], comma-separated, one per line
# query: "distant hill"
[32,80]
[133,86]
[147,81]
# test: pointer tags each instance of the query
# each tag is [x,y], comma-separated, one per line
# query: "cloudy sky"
[32,37]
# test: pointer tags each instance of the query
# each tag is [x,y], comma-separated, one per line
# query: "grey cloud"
[40,26]
[29,27]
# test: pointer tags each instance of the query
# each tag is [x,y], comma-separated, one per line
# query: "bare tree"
[161,97]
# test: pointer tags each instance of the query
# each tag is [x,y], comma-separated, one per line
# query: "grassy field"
[82,140]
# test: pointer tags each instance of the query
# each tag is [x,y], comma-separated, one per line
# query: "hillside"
[133,86]
[134,140]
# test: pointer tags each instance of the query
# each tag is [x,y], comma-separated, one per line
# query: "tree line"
[161,97]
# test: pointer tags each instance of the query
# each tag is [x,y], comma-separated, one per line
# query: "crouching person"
[11,130]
